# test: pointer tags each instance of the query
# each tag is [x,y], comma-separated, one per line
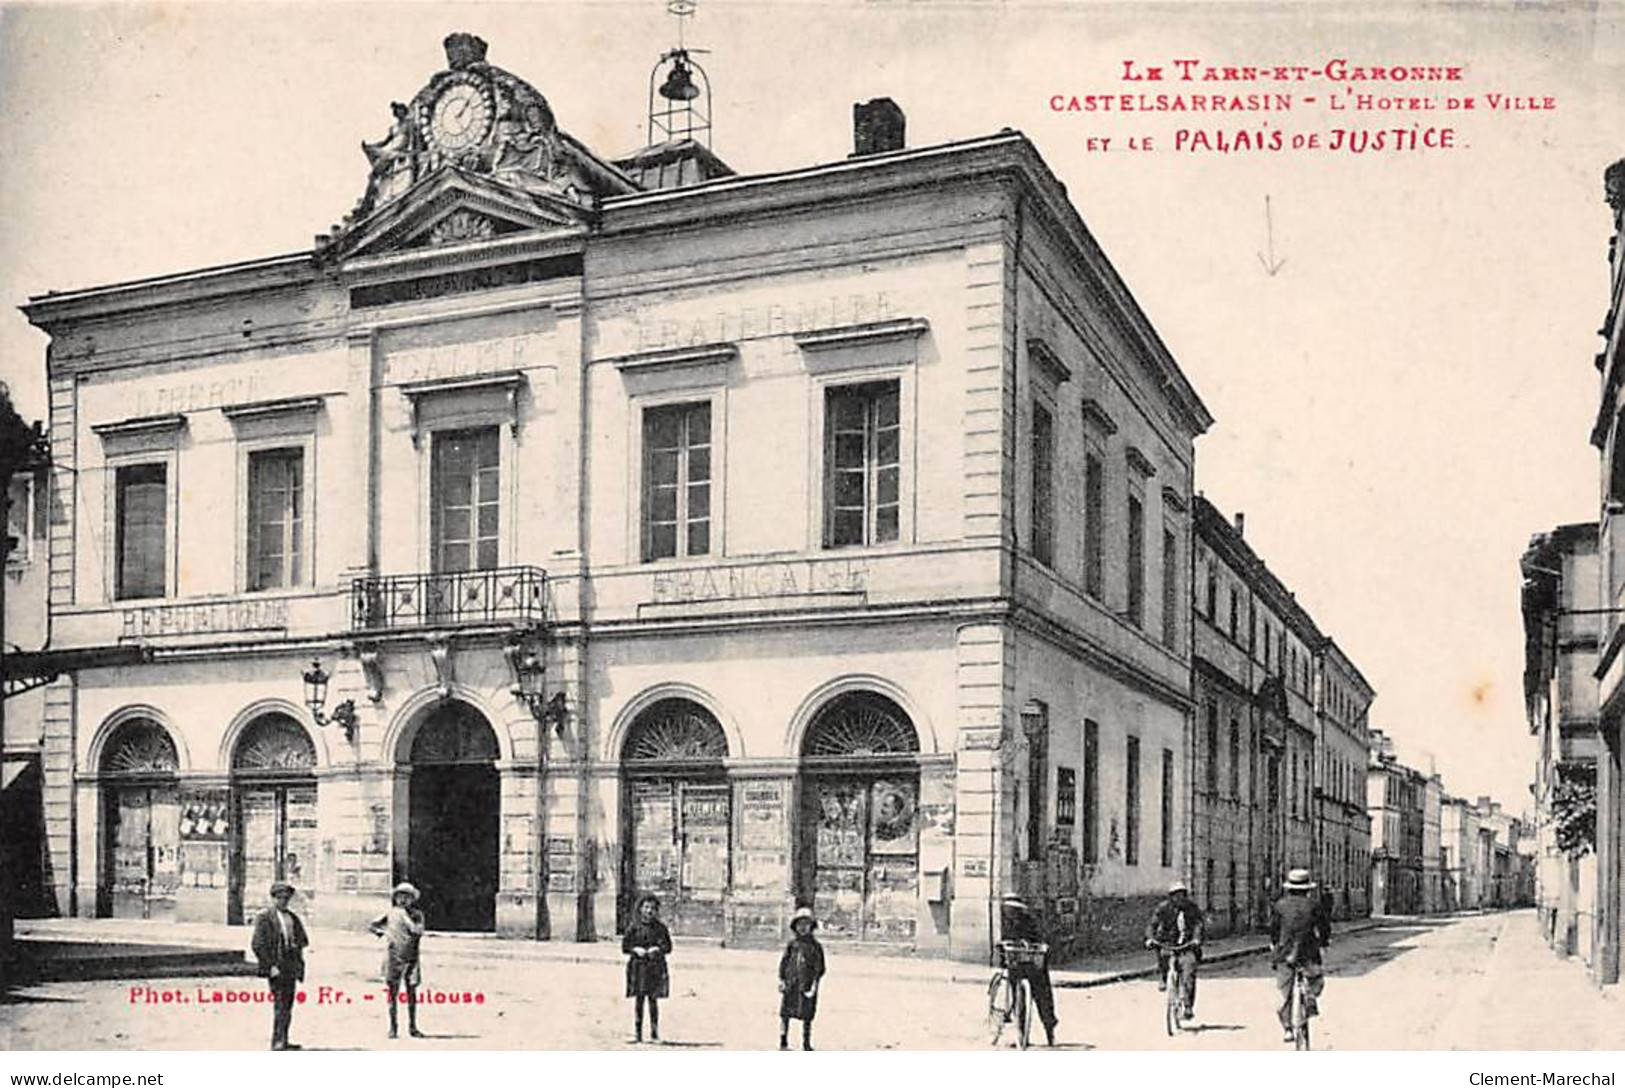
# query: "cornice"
[54,308]
[716,354]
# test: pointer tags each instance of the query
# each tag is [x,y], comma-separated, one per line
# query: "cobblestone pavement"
[1462,983]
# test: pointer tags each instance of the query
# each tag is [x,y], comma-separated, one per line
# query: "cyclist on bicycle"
[1020,924]
[1299,929]
[1178,922]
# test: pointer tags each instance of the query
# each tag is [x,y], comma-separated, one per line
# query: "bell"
[679,85]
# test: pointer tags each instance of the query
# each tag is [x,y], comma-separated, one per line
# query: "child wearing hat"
[647,943]
[800,969]
[402,930]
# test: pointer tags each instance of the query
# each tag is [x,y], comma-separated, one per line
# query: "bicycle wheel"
[1024,1013]
[1300,1014]
[999,997]
[1172,1015]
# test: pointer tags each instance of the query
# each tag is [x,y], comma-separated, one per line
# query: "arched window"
[675,730]
[860,724]
[140,746]
[274,742]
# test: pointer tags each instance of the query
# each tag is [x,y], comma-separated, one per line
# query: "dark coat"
[647,976]
[1172,921]
[800,968]
[1299,929]
[272,949]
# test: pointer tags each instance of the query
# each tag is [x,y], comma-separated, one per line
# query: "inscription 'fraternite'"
[759,580]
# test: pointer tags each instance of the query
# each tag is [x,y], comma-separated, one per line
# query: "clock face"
[460,117]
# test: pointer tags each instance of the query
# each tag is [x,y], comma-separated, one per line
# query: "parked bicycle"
[1010,996]
[1174,983]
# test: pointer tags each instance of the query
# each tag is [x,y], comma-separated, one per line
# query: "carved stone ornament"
[475,117]
[462,226]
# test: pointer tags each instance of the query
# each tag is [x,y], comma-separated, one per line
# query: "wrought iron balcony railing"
[451,599]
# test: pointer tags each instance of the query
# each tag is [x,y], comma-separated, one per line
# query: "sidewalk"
[482,948]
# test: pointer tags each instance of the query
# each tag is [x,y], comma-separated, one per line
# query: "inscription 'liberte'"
[759,580]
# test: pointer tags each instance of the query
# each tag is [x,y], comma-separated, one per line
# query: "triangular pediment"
[451,207]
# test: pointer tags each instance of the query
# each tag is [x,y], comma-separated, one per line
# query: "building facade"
[817,537]
[1561,581]
[26,574]
[1276,707]
[1343,825]
[1396,797]
[1432,844]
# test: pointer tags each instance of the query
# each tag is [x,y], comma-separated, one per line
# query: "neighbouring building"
[820,536]
[26,574]
[1465,856]
[1396,798]
[1432,844]
[1343,824]
[1608,436]
[1561,620]
[1277,705]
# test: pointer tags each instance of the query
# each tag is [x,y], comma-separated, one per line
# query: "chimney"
[1484,803]
[1241,523]
[877,127]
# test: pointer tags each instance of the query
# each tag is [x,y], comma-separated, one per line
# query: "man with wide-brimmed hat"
[1019,923]
[402,930]
[279,944]
[1176,928]
[1299,929]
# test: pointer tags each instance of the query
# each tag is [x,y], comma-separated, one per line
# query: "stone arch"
[111,725]
[260,708]
[816,700]
[615,738]
[859,724]
[402,731]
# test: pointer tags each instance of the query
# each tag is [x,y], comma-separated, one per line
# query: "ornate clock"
[460,115]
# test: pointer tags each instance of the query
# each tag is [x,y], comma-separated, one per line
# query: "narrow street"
[1461,983]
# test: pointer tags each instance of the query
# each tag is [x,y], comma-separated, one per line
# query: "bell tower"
[679,89]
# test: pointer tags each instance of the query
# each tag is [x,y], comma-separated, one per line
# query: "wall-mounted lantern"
[344,715]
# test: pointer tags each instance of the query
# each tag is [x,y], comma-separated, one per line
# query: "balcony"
[515,595]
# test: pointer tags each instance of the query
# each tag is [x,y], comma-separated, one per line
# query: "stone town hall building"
[819,536]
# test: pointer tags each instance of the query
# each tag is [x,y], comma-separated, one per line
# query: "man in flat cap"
[279,945]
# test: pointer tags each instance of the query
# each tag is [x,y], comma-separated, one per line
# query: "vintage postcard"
[702,525]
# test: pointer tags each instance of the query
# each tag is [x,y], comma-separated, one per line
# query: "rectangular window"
[1170,589]
[862,459]
[141,507]
[1266,647]
[1131,802]
[1136,560]
[1252,627]
[1037,728]
[1235,613]
[1043,542]
[1066,797]
[1091,792]
[1235,759]
[677,481]
[1212,594]
[276,522]
[465,503]
[1094,513]
[1167,828]
[1212,777]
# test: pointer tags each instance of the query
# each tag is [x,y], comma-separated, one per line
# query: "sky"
[1398,407]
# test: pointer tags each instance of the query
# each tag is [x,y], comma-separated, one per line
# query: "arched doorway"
[860,789]
[273,804]
[677,815]
[455,802]
[141,818]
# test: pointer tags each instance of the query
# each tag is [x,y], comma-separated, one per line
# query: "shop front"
[140,797]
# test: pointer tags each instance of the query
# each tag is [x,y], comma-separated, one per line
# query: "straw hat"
[1298,880]
[403,888]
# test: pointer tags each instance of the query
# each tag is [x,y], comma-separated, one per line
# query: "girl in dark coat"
[647,944]
[800,969]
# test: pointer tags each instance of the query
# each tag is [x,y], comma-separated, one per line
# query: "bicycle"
[1175,1012]
[1300,1008]
[1012,997]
